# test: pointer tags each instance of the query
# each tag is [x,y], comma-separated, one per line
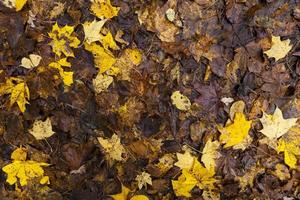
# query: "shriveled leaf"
[249,176]
[42,130]
[282,172]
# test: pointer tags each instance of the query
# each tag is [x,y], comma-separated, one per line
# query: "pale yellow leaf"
[180,101]
[31,62]
[185,161]
[92,30]
[112,147]
[210,154]
[102,82]
[143,179]
[42,130]
[279,48]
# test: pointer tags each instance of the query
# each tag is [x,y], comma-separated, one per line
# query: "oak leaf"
[274,126]
[234,133]
[42,130]
[279,48]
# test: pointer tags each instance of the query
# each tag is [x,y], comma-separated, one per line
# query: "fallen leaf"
[139,197]
[92,30]
[282,172]
[17,4]
[63,41]
[249,176]
[104,9]
[143,179]
[235,132]
[236,107]
[210,195]
[180,101]
[31,62]
[18,90]
[210,154]
[102,82]
[67,76]
[24,170]
[108,41]
[274,126]
[57,10]
[42,130]
[121,196]
[279,48]
[113,147]
[185,161]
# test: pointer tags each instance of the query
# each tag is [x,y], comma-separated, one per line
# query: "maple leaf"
[180,101]
[102,82]
[92,30]
[185,161]
[249,176]
[113,147]
[62,40]
[123,195]
[139,197]
[143,179]
[31,62]
[279,48]
[18,90]
[17,4]
[24,170]
[235,132]
[197,176]
[67,76]
[210,153]
[42,130]
[274,126]
[104,9]
[289,144]
[103,58]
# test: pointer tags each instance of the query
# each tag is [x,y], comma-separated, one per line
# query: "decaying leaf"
[67,76]
[102,82]
[92,30]
[31,62]
[249,176]
[63,40]
[196,176]
[282,172]
[180,101]
[18,90]
[22,170]
[57,10]
[279,48]
[210,154]
[274,126]
[235,132]
[42,130]
[112,147]
[289,144]
[143,179]
[104,9]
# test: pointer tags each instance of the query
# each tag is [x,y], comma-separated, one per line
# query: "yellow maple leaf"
[113,147]
[180,101]
[139,197]
[249,176]
[104,9]
[17,4]
[279,48]
[63,41]
[18,90]
[143,179]
[108,41]
[289,144]
[103,58]
[234,133]
[185,161]
[274,126]
[121,196]
[20,4]
[23,170]
[92,30]
[42,130]
[67,76]
[210,153]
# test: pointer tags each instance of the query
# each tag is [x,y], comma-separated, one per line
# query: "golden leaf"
[92,30]
[20,4]
[274,126]
[210,153]
[102,82]
[139,197]
[121,196]
[113,147]
[234,133]
[279,48]
[24,170]
[185,161]
[17,4]
[67,76]
[42,130]
[143,179]
[18,90]
[31,62]
[104,9]
[180,101]
[249,176]
[282,172]
[62,40]
[108,41]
